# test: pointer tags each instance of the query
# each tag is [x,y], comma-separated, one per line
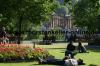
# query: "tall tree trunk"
[19,29]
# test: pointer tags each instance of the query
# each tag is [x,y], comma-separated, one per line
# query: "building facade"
[62,22]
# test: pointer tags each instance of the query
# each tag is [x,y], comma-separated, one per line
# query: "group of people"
[69,59]
[49,39]
[71,52]
[6,37]
[71,49]
[3,36]
[70,36]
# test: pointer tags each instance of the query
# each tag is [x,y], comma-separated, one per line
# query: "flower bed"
[15,52]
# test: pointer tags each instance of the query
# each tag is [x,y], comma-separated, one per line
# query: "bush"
[14,52]
[40,52]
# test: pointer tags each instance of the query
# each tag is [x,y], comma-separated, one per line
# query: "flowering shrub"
[14,52]
[40,52]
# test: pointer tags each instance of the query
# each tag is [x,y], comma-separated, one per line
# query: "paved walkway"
[61,45]
[31,42]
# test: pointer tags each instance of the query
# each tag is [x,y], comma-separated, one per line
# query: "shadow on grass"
[19,61]
[44,64]
[93,48]
[55,48]
[92,65]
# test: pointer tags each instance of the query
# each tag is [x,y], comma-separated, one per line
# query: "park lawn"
[91,59]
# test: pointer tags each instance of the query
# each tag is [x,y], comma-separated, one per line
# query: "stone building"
[62,22]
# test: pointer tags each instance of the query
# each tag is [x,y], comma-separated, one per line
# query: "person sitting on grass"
[70,50]
[81,48]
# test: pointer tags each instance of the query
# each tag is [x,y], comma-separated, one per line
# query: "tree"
[85,14]
[70,5]
[18,12]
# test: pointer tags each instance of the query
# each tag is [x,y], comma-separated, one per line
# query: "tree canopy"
[33,11]
[85,14]
[21,14]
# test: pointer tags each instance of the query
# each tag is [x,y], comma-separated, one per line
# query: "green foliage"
[66,1]
[85,14]
[22,14]
[30,11]
[98,23]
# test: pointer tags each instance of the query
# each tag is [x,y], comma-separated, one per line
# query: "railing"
[39,35]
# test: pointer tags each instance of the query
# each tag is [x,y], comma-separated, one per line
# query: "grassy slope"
[92,58]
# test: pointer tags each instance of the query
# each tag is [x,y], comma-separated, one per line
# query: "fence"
[34,35]
[59,35]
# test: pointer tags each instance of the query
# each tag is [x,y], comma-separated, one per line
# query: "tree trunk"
[19,30]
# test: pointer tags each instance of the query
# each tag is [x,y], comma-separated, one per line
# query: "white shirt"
[74,62]
[71,62]
[67,63]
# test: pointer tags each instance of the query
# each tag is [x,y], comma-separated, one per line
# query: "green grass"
[91,59]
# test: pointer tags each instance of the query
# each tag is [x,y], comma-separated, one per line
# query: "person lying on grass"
[66,61]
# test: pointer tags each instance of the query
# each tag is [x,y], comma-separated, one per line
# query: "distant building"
[63,22]
[59,22]
[61,19]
